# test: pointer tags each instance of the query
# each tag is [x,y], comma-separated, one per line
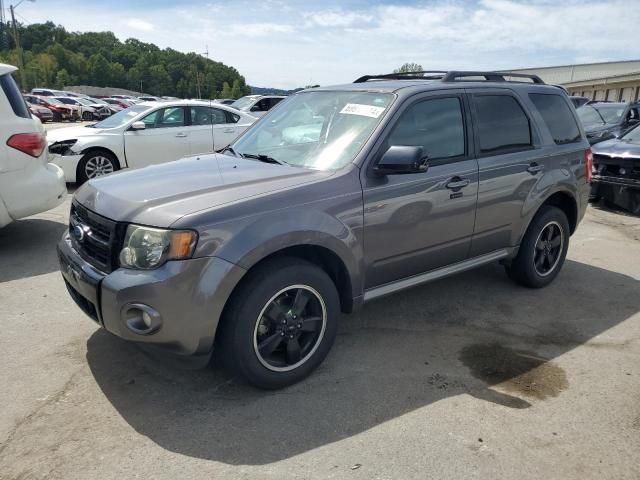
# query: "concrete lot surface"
[469,377]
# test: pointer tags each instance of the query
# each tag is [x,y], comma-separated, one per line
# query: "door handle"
[181,135]
[229,130]
[534,168]
[457,183]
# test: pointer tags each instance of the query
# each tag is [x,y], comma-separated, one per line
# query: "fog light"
[141,318]
[146,318]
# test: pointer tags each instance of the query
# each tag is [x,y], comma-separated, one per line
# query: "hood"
[160,195]
[597,127]
[69,133]
[617,148]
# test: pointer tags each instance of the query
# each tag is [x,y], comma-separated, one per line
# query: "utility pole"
[16,38]
[3,38]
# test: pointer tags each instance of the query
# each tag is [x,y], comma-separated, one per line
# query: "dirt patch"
[514,371]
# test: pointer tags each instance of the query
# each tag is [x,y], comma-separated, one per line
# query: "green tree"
[100,70]
[236,92]
[63,79]
[408,68]
[55,57]
[226,90]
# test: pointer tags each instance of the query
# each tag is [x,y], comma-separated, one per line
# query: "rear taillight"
[30,143]
[588,164]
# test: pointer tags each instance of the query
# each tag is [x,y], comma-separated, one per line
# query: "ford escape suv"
[339,196]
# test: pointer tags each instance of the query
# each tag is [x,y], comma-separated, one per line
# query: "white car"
[28,184]
[145,134]
[257,105]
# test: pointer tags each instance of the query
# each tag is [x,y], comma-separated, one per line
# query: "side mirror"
[138,126]
[401,160]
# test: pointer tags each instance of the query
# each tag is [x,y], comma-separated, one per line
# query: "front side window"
[165,118]
[321,129]
[503,126]
[557,116]
[436,125]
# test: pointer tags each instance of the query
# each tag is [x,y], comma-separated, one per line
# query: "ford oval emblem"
[79,232]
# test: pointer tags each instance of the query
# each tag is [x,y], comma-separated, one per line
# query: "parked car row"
[145,134]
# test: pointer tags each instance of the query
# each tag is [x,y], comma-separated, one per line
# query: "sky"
[288,44]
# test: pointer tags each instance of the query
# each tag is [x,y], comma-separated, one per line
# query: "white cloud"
[292,44]
[141,25]
[337,18]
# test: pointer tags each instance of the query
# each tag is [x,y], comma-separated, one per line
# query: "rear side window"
[12,92]
[503,126]
[557,116]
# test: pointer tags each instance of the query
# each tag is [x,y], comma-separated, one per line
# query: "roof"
[4,68]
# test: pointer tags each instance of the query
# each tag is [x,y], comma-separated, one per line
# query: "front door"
[418,222]
[164,139]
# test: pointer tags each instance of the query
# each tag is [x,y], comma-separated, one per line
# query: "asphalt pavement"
[468,377]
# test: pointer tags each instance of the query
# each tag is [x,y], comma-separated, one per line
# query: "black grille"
[94,237]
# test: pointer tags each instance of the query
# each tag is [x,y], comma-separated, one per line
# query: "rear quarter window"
[557,115]
[12,92]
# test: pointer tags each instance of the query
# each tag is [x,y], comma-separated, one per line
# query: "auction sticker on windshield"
[364,110]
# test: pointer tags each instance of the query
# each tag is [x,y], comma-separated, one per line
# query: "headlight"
[146,248]
[62,148]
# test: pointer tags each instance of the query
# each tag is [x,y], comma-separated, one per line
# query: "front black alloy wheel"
[290,328]
[543,249]
[280,323]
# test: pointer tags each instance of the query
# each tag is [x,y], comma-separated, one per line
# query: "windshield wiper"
[263,158]
[230,149]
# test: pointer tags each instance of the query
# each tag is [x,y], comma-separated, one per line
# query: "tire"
[260,325]
[541,254]
[87,116]
[97,161]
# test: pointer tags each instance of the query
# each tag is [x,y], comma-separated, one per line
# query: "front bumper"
[188,295]
[68,164]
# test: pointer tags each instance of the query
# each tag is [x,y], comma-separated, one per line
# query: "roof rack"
[421,75]
[452,76]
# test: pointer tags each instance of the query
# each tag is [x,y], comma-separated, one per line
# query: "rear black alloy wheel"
[548,249]
[290,328]
[543,249]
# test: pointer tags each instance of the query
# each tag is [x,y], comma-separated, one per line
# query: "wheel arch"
[97,149]
[323,257]
[565,200]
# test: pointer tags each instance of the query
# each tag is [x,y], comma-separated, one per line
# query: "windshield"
[121,118]
[243,103]
[96,100]
[600,114]
[632,136]
[84,101]
[319,130]
[53,101]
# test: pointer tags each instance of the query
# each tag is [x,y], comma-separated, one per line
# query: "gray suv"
[339,196]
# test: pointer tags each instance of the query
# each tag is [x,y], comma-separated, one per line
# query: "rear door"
[212,129]
[164,139]
[510,162]
[418,222]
